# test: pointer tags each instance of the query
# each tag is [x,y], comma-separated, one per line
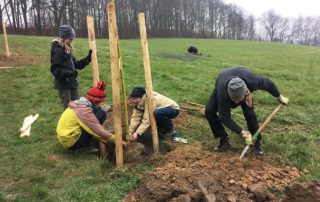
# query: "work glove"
[112,139]
[283,100]
[74,74]
[248,137]
[88,58]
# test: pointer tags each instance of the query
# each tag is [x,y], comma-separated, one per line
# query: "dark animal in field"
[192,49]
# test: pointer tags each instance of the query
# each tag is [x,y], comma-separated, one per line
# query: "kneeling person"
[83,120]
[165,109]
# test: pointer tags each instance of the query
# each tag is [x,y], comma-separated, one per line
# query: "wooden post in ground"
[123,85]
[147,71]
[115,73]
[95,71]
[92,46]
[5,39]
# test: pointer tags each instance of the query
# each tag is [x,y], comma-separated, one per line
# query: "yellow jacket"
[140,121]
[74,119]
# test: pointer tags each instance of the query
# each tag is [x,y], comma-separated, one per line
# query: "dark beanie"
[237,89]
[66,32]
[137,92]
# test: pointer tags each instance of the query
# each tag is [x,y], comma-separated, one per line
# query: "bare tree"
[271,21]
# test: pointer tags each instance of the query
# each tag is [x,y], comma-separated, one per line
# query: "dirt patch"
[16,60]
[309,192]
[223,176]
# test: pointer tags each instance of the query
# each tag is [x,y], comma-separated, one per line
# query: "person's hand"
[203,111]
[283,100]
[134,136]
[248,137]
[111,138]
[74,74]
[88,58]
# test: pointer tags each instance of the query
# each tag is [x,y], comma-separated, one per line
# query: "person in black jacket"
[64,65]
[233,88]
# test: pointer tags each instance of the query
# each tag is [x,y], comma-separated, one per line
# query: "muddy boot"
[258,148]
[223,145]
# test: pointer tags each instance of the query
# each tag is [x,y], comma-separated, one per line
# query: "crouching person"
[165,109]
[83,120]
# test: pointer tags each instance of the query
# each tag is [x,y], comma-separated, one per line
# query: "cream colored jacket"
[140,121]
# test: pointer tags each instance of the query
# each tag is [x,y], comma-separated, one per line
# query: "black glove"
[74,74]
[88,58]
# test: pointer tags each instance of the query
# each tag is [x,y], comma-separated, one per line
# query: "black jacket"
[253,82]
[64,67]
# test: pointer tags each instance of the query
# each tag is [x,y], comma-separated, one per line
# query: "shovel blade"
[244,151]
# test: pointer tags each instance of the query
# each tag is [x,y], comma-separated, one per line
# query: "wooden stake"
[92,45]
[115,73]
[123,85]
[95,71]
[147,71]
[5,39]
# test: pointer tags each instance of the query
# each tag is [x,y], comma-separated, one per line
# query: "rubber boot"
[223,145]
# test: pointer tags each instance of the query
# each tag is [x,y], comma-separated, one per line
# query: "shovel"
[261,128]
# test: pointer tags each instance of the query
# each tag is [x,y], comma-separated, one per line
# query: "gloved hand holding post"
[88,58]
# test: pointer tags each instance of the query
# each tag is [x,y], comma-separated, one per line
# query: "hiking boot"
[258,148]
[223,145]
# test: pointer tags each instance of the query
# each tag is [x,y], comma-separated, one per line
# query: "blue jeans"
[85,138]
[163,117]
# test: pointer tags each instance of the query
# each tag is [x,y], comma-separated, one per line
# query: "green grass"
[43,170]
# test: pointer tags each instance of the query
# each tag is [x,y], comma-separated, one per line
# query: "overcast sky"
[287,8]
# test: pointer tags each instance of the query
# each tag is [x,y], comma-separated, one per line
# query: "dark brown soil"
[16,60]
[224,176]
[309,192]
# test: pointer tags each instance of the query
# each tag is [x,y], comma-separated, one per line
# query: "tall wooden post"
[92,45]
[5,39]
[123,88]
[95,70]
[147,71]
[115,73]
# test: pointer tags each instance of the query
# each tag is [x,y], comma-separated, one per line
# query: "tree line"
[164,18]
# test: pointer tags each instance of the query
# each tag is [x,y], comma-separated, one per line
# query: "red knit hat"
[97,94]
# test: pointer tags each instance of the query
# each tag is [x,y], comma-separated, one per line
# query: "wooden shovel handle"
[267,120]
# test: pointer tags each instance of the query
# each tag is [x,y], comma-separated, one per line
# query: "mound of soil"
[192,174]
[16,60]
[309,192]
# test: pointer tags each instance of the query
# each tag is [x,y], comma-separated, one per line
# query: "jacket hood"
[81,101]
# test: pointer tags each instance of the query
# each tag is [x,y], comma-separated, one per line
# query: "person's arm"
[225,118]
[268,85]
[135,120]
[80,64]
[145,123]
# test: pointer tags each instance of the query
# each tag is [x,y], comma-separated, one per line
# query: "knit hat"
[237,89]
[97,94]
[137,92]
[66,32]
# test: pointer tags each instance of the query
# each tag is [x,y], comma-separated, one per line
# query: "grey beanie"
[66,32]
[237,89]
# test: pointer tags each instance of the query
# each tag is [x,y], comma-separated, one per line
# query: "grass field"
[41,170]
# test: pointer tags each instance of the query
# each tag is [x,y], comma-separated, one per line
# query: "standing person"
[165,110]
[64,65]
[233,88]
[83,120]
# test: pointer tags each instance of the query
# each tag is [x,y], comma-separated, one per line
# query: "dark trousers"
[85,138]
[215,123]
[67,95]
[163,117]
